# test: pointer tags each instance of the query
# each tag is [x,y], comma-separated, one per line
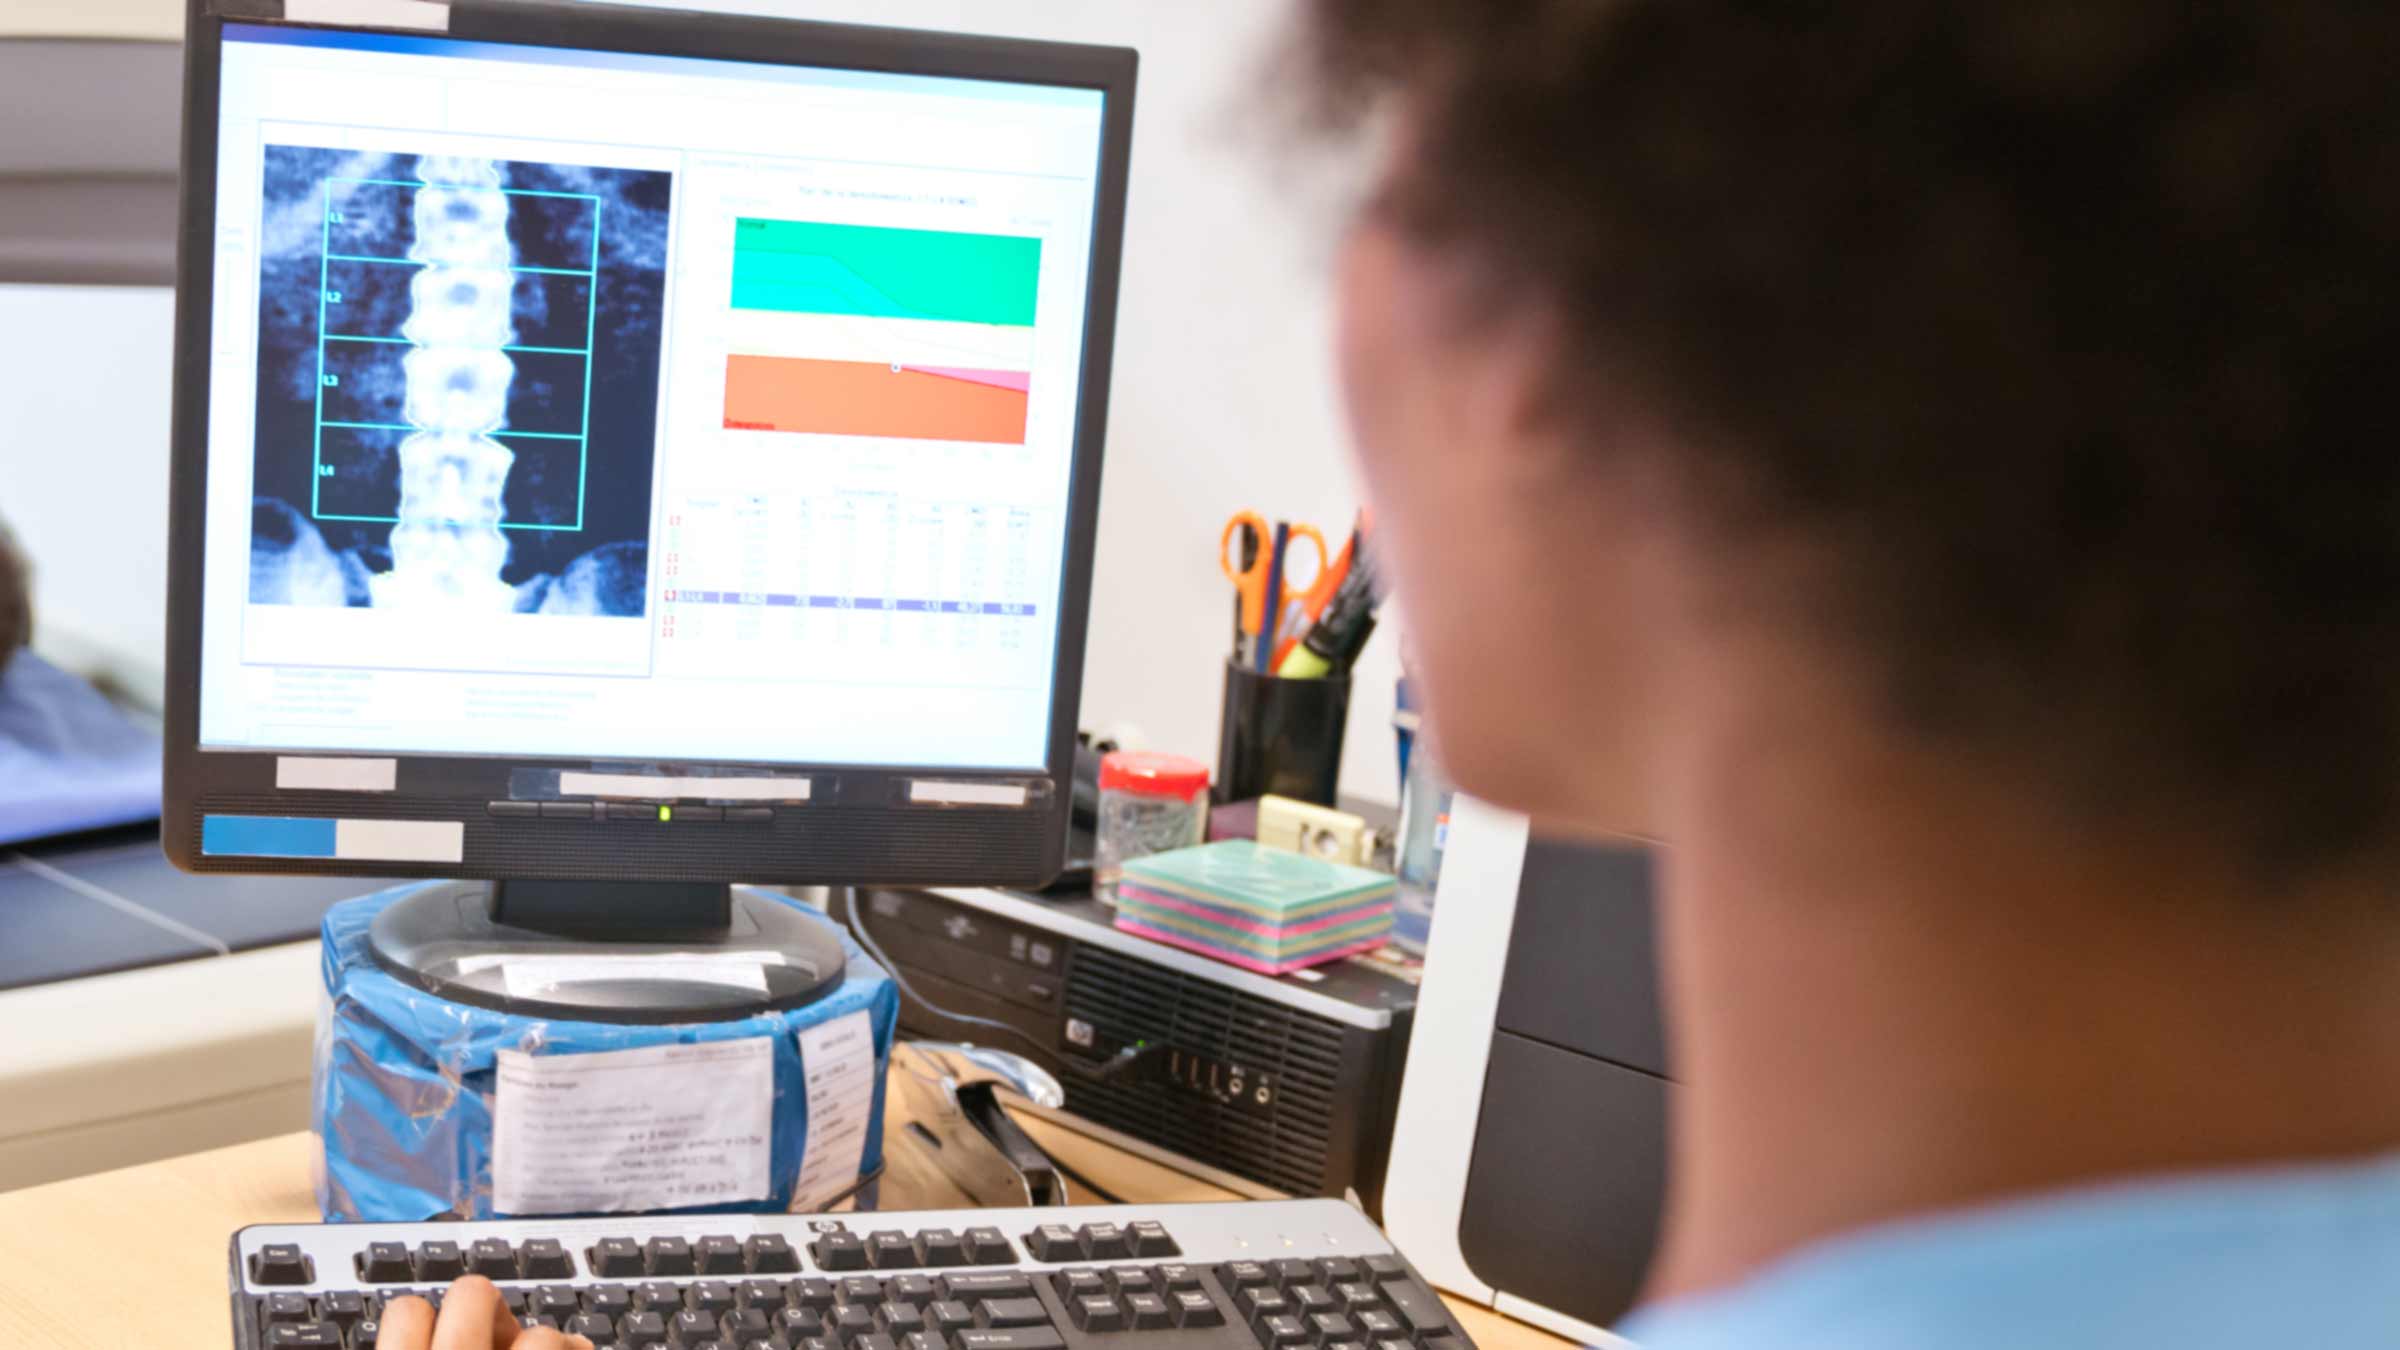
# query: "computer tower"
[1273,1086]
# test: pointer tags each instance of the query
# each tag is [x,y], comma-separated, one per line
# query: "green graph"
[807,267]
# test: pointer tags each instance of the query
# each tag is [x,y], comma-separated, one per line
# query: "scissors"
[1249,578]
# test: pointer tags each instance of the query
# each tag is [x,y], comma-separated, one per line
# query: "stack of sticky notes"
[1262,908]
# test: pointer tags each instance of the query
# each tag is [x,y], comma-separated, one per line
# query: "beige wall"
[91,18]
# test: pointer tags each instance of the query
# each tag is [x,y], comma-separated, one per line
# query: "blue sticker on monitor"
[267,837]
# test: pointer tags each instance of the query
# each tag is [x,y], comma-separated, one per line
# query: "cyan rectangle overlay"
[266,837]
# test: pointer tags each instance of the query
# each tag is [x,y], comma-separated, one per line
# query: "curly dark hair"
[2069,324]
[16,599]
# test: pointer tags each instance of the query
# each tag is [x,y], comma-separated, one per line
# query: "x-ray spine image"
[457,383]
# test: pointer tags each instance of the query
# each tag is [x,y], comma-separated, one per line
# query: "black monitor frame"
[858,824]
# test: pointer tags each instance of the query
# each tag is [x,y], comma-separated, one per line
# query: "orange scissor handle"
[1250,583]
[1301,603]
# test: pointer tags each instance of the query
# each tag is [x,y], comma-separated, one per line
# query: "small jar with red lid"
[1150,802]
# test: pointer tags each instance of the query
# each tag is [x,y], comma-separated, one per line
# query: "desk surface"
[71,1253]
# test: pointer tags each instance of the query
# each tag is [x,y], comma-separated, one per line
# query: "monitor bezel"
[198,778]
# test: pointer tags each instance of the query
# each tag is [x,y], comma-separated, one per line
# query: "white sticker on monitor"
[929,792]
[433,841]
[837,1060]
[301,773]
[659,787]
[623,1131]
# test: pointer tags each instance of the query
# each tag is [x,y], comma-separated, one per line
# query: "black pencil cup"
[1281,736]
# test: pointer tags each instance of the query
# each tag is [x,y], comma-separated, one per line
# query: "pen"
[1266,645]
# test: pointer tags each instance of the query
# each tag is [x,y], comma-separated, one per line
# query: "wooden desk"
[72,1253]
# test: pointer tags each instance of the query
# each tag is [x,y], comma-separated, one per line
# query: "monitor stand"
[563,949]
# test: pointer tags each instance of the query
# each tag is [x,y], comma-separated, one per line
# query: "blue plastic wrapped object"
[406,1081]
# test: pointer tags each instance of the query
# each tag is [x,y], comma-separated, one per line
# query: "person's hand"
[472,1318]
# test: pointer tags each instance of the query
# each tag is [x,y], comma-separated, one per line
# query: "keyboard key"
[989,1247]
[669,1256]
[1385,1269]
[1097,1315]
[839,1251]
[1054,1242]
[1014,1338]
[1289,1273]
[942,1247]
[716,1298]
[690,1327]
[1346,1345]
[281,1263]
[749,1324]
[553,1300]
[902,1320]
[492,1258]
[1330,1326]
[891,1249]
[1150,1240]
[1283,1329]
[1075,1284]
[513,1299]
[663,1295]
[877,1341]
[615,1258]
[1380,1325]
[914,1290]
[546,1259]
[440,1261]
[345,1306]
[386,1263]
[853,1322]
[720,1255]
[1417,1305]
[1439,1338]
[817,1294]
[1012,1312]
[949,1314]
[988,1284]
[1239,1274]
[771,1254]
[1132,1280]
[1106,1242]
[1396,1345]
[767,1294]
[926,1340]
[287,1308]
[1340,1270]
[1148,1311]
[1258,1303]
[1357,1294]
[608,1300]
[364,1335]
[1309,1299]
[597,1328]
[862,1289]
[796,1324]
[304,1336]
[1194,1309]
[642,1330]
[1178,1276]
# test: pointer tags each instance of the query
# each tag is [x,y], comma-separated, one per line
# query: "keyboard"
[1265,1275]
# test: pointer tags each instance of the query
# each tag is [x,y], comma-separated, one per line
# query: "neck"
[1891,995]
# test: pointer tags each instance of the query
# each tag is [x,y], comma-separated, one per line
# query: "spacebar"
[1011,1338]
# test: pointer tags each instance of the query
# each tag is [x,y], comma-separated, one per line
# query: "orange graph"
[866,398]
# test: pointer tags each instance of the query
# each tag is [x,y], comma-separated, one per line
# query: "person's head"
[2020,366]
[16,599]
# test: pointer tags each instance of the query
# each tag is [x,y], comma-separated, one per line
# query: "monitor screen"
[600,405]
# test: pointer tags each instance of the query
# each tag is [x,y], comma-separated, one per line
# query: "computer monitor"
[620,453]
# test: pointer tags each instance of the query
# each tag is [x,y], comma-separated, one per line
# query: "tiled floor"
[111,901]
